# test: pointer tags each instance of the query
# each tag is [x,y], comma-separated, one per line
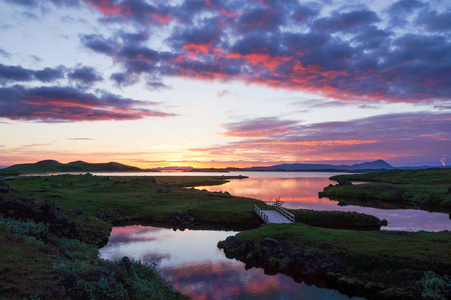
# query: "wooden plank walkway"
[276,216]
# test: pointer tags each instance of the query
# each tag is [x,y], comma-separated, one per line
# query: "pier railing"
[286,213]
[260,213]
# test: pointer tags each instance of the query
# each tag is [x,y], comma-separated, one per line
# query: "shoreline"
[96,203]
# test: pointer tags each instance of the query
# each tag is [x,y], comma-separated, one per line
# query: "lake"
[300,190]
[191,261]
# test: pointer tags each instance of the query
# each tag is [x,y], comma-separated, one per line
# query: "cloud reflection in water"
[197,268]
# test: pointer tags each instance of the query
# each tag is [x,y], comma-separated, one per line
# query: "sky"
[225,83]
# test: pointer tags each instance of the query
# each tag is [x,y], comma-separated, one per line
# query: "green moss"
[336,219]
[424,189]
[366,251]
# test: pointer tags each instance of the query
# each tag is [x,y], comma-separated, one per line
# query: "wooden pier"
[275,216]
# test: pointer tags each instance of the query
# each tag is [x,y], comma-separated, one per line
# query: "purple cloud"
[17,73]
[407,138]
[86,76]
[63,104]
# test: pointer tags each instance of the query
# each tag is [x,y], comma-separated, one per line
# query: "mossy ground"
[94,203]
[427,189]
[394,262]
[137,198]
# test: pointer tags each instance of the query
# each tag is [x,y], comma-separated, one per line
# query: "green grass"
[422,189]
[96,202]
[379,251]
[336,219]
[66,268]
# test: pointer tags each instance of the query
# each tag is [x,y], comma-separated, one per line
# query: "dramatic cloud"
[17,73]
[261,127]
[30,3]
[400,138]
[86,76]
[347,54]
[61,104]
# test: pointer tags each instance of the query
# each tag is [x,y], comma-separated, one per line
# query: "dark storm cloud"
[17,73]
[345,54]
[63,104]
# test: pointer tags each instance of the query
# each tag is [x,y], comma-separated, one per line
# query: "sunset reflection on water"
[296,192]
[302,192]
[192,262]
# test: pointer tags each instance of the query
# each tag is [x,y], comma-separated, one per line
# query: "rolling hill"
[51,166]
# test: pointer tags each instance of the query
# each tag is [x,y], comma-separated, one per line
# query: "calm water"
[192,262]
[197,268]
[300,190]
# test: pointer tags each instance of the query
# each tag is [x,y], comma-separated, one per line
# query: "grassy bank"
[51,227]
[126,199]
[84,207]
[38,265]
[427,189]
[387,264]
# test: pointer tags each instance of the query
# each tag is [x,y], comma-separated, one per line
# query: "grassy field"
[427,189]
[394,262]
[121,199]
[94,203]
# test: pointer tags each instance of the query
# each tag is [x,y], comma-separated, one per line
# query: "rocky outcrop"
[275,256]
[45,212]
[181,220]
[5,188]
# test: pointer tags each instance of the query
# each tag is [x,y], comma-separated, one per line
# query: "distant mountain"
[374,165]
[76,166]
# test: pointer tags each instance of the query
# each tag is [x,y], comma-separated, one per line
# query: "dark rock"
[4,188]
[269,242]
[45,212]
[344,182]
[181,220]
[384,222]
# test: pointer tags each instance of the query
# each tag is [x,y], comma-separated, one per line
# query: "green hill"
[46,166]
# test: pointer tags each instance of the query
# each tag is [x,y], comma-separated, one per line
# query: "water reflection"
[302,192]
[197,268]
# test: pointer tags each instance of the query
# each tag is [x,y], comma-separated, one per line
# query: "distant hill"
[45,166]
[374,165]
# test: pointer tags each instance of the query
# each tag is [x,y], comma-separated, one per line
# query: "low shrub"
[435,287]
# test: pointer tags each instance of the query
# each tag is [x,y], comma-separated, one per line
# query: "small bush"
[75,267]
[28,227]
[106,288]
[79,250]
[435,287]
